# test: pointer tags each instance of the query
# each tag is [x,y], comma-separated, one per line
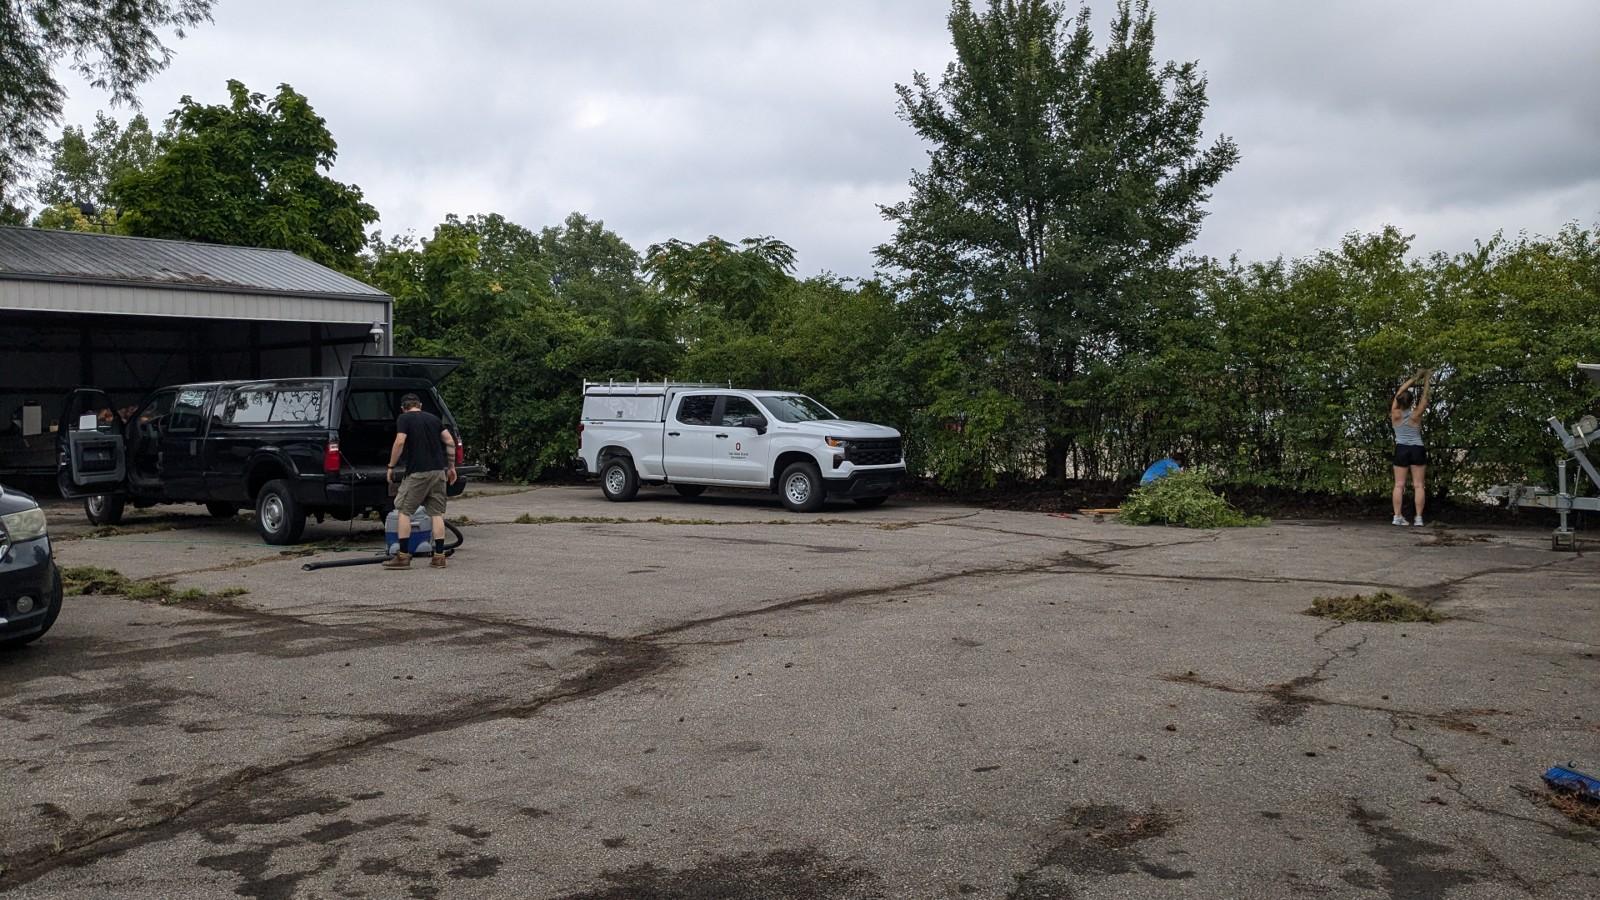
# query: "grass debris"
[530,519]
[1184,499]
[78,581]
[1576,807]
[527,519]
[1382,606]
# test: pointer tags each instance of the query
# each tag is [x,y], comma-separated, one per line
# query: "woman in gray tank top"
[1410,454]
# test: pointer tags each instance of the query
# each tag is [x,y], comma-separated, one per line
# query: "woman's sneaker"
[1418,522]
[1399,520]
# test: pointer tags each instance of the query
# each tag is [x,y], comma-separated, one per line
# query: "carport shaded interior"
[129,356]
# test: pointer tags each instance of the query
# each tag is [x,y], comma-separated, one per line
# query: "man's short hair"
[411,401]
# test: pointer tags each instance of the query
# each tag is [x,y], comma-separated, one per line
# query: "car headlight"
[23,526]
[836,443]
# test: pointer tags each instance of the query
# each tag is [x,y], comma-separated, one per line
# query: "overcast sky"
[1448,118]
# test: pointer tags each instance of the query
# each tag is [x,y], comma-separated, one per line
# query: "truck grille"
[873,452]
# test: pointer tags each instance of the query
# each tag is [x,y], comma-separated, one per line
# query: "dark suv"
[30,583]
[289,447]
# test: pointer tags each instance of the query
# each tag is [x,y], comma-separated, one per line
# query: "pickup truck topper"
[694,436]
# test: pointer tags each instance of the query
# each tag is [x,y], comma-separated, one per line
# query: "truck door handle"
[721,435]
[672,434]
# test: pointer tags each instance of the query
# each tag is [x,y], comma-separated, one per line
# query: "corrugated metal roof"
[113,259]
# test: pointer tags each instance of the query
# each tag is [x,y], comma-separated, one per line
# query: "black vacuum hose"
[449,550]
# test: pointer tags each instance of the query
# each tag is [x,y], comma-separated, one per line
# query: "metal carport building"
[129,315]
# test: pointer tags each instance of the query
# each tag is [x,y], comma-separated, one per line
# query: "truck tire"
[689,490]
[801,487]
[279,517]
[871,502]
[222,510]
[104,509]
[49,618]
[618,481]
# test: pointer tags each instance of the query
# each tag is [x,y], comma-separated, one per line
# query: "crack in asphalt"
[1457,787]
[623,661]
[1440,591]
[1061,562]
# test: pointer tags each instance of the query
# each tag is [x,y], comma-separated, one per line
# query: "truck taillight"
[580,435]
[331,458]
[461,454]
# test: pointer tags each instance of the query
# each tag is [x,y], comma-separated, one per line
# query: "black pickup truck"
[289,447]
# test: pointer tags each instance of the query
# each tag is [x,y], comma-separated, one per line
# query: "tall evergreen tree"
[1060,178]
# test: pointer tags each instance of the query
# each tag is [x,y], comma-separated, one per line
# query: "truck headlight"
[836,443]
[23,526]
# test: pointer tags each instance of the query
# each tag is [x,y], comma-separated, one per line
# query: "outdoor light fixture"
[377,332]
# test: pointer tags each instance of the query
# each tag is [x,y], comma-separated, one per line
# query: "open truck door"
[92,456]
[403,368]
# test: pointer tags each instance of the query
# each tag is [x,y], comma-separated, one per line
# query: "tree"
[532,315]
[115,45]
[1060,180]
[596,274]
[250,173]
[715,277]
[83,164]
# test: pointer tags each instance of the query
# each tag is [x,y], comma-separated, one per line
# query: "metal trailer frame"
[1574,441]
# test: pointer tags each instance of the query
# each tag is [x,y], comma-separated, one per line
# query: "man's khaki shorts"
[424,489]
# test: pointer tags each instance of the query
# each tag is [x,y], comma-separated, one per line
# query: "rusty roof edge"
[372,295]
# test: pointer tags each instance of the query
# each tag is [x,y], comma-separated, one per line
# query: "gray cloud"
[1448,119]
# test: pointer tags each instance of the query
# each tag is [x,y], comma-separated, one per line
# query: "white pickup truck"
[694,436]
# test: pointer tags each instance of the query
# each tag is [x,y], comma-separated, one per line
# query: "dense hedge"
[1275,374]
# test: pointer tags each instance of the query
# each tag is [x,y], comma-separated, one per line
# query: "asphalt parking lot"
[716,698]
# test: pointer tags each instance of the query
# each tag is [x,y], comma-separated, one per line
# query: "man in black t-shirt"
[430,455]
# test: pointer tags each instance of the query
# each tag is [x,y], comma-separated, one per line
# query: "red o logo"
[738,446]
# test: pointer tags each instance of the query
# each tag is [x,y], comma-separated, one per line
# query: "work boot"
[437,562]
[398,561]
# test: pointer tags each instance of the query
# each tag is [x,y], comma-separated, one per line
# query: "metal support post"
[1563,538]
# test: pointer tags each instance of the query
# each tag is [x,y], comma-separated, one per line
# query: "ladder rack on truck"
[639,401]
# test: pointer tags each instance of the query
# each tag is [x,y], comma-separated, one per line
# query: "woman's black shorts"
[1410,455]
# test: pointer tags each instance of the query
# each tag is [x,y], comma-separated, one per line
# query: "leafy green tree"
[596,274]
[532,315]
[1061,181]
[117,46]
[251,172]
[82,165]
[718,279]
[71,217]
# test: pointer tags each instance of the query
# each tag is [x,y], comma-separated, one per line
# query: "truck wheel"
[104,509]
[618,481]
[279,517]
[49,618]
[222,510]
[870,502]
[801,488]
[689,490]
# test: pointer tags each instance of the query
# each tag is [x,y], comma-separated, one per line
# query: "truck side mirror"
[756,422]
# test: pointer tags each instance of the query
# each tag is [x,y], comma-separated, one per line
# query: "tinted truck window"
[248,406]
[736,409]
[298,406]
[188,413]
[275,406]
[696,410]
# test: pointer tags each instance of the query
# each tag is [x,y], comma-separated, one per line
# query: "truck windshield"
[796,408]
